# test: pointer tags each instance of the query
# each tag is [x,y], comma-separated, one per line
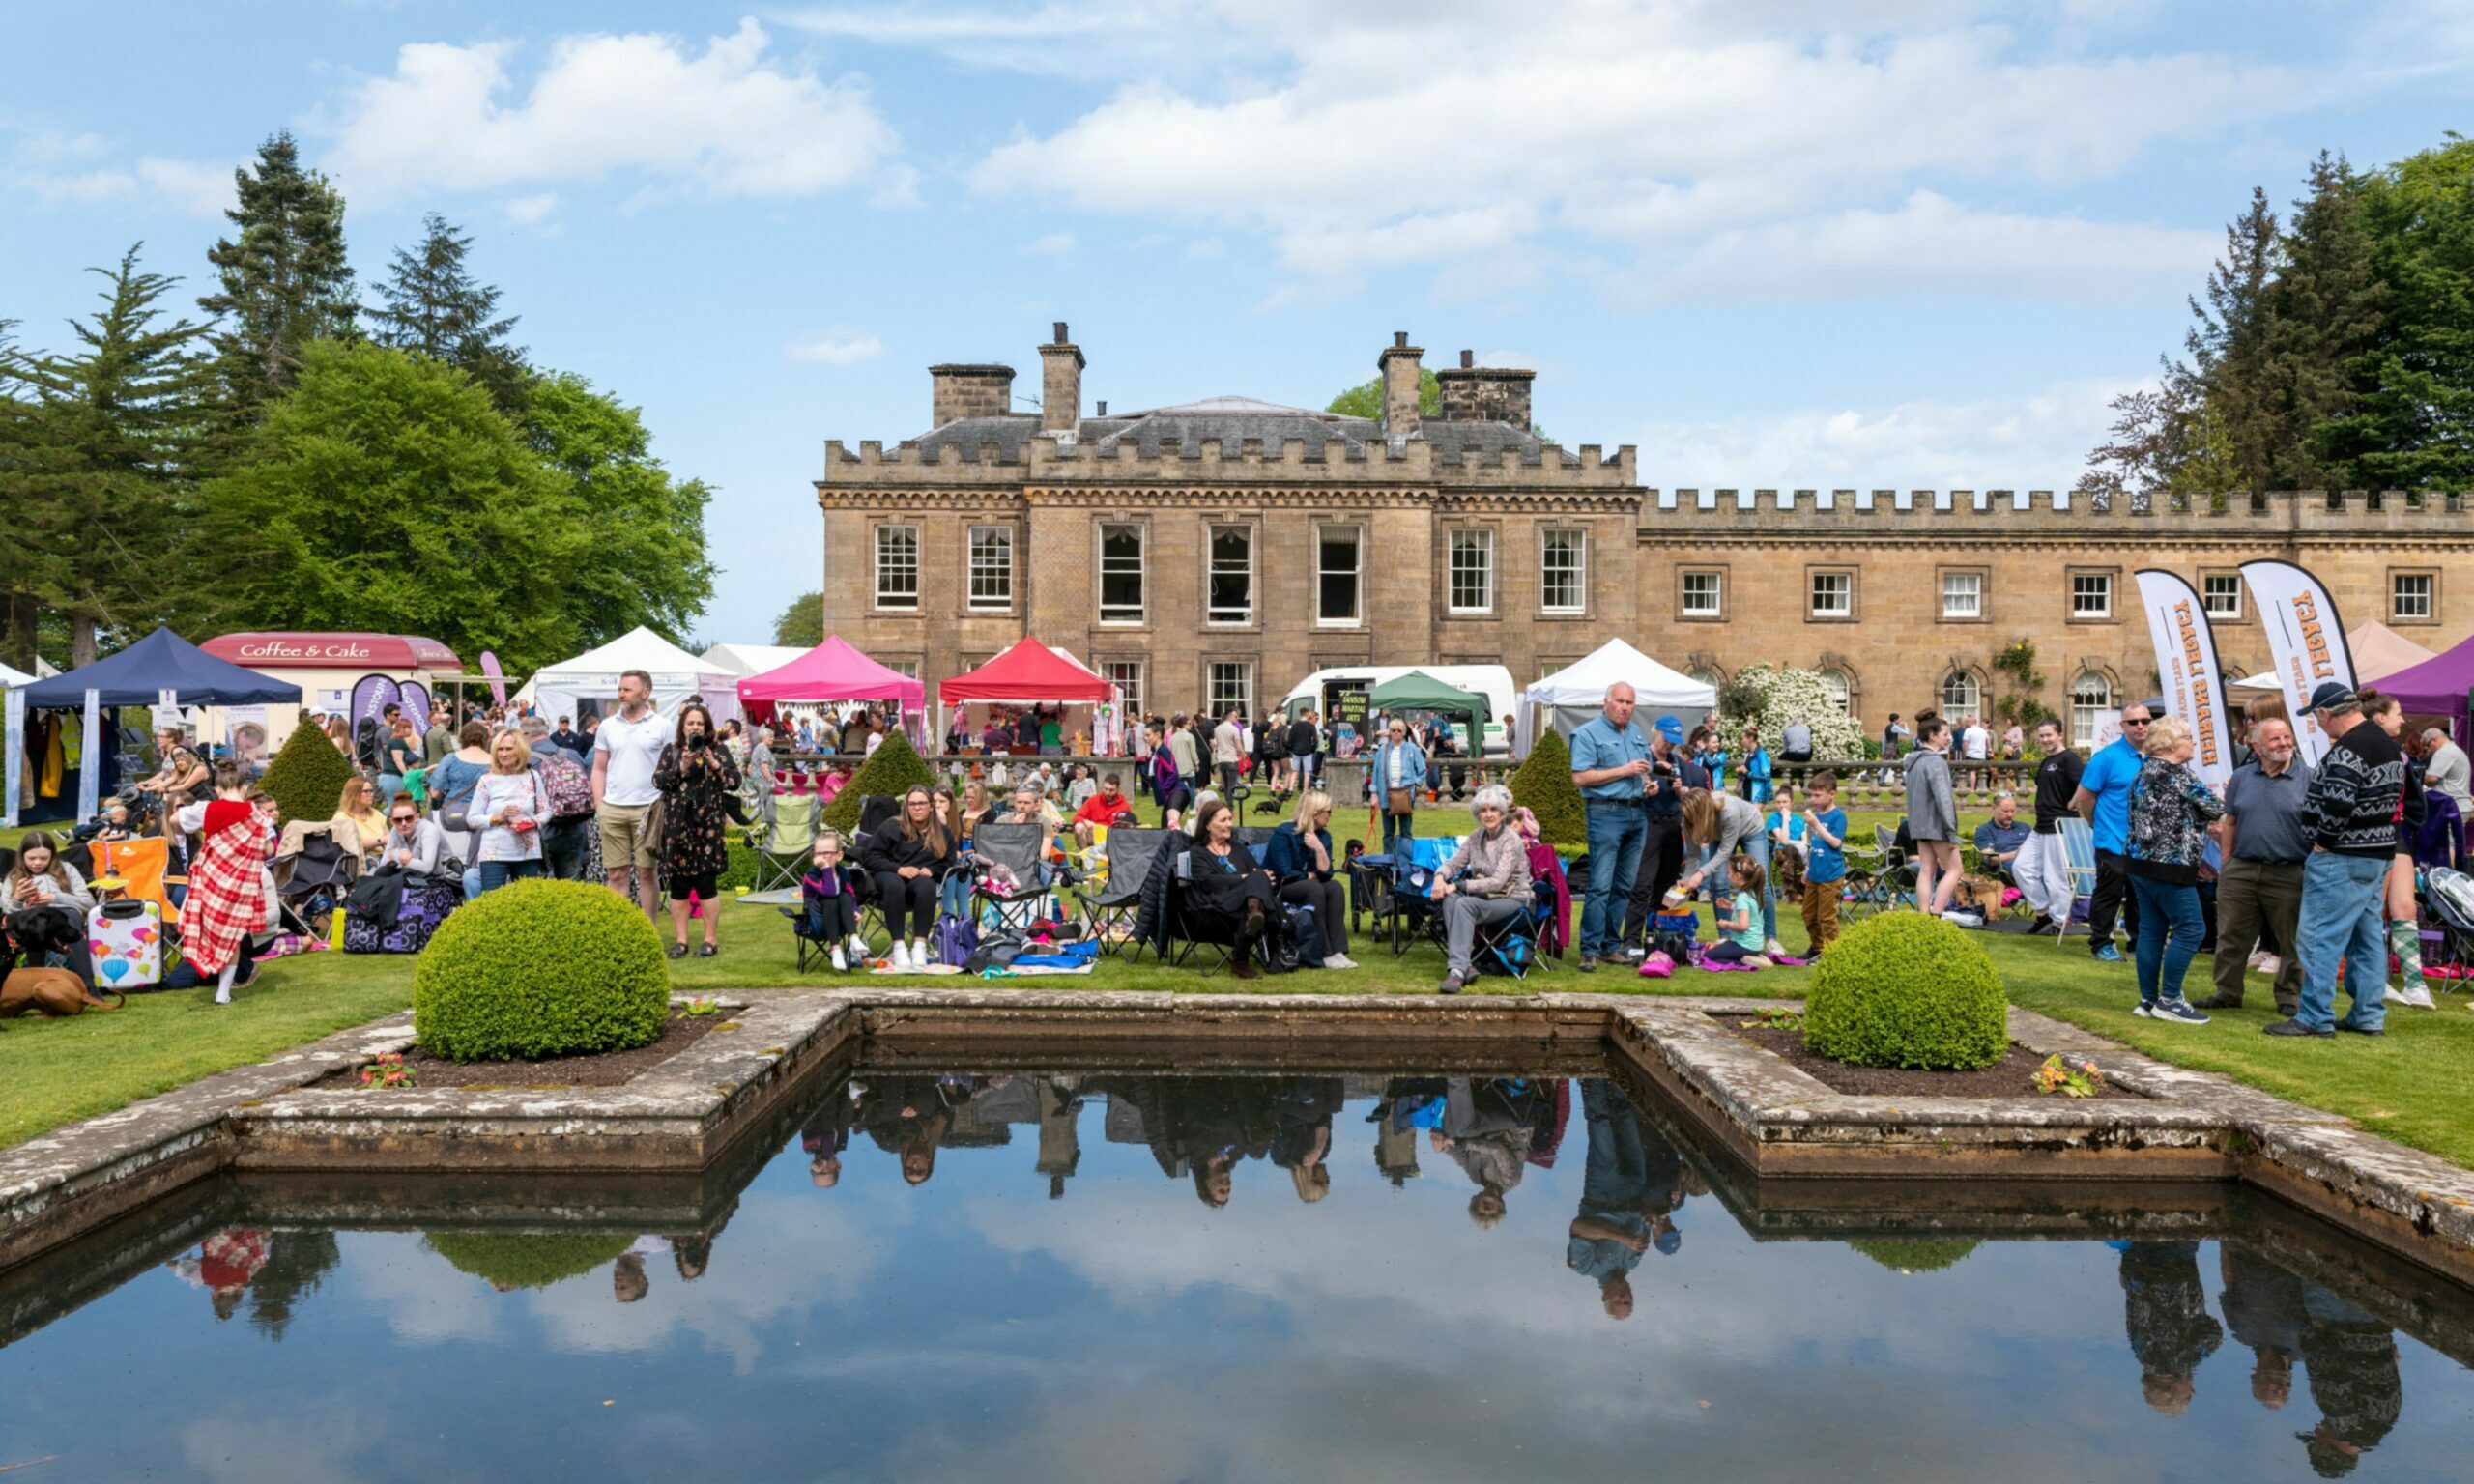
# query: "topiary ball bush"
[540,968]
[510,1260]
[1904,989]
[1543,781]
[893,770]
[307,776]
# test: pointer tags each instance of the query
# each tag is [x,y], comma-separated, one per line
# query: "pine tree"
[2325,315]
[2229,346]
[2414,429]
[431,305]
[101,460]
[285,280]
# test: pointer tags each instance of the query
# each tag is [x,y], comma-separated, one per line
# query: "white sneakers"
[1339,961]
[841,961]
[858,949]
[919,955]
[1773,949]
[901,956]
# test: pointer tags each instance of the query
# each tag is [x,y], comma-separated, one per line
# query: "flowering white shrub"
[1788,694]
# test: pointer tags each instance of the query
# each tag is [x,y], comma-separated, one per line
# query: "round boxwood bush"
[1914,1254]
[1904,989]
[506,1259]
[540,968]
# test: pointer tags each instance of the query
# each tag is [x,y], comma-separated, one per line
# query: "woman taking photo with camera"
[694,775]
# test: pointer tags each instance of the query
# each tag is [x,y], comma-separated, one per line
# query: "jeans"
[1661,863]
[1331,903]
[2167,937]
[953,898]
[498,873]
[2345,915]
[1461,918]
[1616,828]
[1395,826]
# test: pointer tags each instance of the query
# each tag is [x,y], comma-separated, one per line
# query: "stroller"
[2450,894]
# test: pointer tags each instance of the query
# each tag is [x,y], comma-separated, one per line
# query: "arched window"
[1961,697]
[1834,681]
[1708,676]
[2091,696]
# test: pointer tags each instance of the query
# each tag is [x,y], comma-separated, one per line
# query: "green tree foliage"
[1543,781]
[285,283]
[385,493]
[512,1260]
[307,776]
[541,968]
[297,1266]
[802,623]
[99,456]
[1905,990]
[1365,399]
[2326,316]
[893,770]
[2415,429]
[431,305]
[642,532]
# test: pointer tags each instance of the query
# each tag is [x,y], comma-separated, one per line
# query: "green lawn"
[2406,1086]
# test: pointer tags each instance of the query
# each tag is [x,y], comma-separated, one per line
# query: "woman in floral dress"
[694,776]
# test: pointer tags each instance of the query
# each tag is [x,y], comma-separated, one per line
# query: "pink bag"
[1658,966]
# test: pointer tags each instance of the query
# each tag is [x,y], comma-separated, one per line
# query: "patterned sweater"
[2355,796]
[2169,811]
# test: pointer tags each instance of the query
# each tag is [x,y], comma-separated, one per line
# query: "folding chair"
[1182,928]
[1415,916]
[1021,849]
[2079,863]
[1492,950]
[876,811]
[1110,902]
[783,847]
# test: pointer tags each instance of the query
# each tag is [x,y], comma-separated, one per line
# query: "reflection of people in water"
[826,1133]
[690,1255]
[908,1116]
[2351,1360]
[1302,1109]
[1485,1130]
[2165,1313]
[223,1265]
[1632,1180]
[1200,1126]
[2262,1306]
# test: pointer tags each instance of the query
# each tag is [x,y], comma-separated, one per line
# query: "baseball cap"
[2334,695]
[1670,728]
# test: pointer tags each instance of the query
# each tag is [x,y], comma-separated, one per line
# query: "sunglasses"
[2137,720]
[406,818]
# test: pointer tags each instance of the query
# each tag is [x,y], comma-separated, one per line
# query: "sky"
[1791,243]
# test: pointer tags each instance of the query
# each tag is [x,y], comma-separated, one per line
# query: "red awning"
[334,651]
[1029,674]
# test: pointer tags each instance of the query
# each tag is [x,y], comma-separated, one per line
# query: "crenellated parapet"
[2321,515]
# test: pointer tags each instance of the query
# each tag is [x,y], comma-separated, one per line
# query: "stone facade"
[1227,548]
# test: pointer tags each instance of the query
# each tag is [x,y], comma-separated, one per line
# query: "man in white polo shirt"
[624,801]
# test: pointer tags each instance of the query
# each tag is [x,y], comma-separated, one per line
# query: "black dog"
[37,931]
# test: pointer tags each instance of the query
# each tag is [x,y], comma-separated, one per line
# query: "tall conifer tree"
[431,305]
[283,277]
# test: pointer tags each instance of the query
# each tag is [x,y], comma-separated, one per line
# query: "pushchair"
[2450,894]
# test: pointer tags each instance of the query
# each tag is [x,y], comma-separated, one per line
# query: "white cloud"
[1054,242]
[724,120]
[839,347]
[201,189]
[532,211]
[2038,441]
[54,169]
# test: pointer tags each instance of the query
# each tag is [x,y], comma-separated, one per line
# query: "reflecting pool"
[1336,1276]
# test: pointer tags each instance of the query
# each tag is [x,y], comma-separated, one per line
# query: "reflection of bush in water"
[1914,1254]
[524,1259]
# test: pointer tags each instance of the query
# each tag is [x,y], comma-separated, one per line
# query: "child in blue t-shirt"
[832,913]
[1740,921]
[1825,860]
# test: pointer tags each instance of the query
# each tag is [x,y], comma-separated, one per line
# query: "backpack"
[1305,934]
[1276,744]
[570,787]
[956,940]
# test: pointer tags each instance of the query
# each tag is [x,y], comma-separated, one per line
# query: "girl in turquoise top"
[1740,938]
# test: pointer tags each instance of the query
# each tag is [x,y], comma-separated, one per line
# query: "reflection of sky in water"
[972,1329]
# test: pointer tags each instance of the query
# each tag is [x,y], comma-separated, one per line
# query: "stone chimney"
[968,391]
[1060,383]
[1476,393]
[1399,364]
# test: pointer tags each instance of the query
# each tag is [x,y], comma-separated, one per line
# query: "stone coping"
[684,1114]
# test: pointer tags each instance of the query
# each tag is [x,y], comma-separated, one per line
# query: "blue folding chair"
[2078,865]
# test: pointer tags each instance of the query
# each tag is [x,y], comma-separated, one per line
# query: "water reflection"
[911,1223]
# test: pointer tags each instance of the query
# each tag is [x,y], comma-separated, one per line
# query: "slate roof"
[1181,429]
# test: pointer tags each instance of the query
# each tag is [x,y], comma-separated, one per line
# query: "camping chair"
[784,845]
[1021,849]
[1187,935]
[145,866]
[1415,917]
[813,950]
[2079,863]
[1111,901]
[313,873]
[1494,952]
[876,810]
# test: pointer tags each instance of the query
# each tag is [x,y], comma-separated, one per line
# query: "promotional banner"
[90,773]
[2306,642]
[498,684]
[11,734]
[2186,670]
[416,703]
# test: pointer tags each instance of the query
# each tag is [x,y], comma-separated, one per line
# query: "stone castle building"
[1215,553]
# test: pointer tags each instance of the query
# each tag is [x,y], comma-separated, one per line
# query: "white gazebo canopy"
[562,689]
[1571,696]
[745,660]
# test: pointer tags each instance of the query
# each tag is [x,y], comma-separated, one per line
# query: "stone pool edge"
[1768,1116]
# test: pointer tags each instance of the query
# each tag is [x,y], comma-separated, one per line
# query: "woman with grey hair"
[1486,880]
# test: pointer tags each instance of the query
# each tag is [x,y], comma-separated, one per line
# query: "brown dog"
[53,992]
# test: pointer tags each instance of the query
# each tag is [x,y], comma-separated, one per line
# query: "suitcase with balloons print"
[126,939]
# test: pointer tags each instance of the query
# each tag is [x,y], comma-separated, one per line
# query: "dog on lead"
[30,935]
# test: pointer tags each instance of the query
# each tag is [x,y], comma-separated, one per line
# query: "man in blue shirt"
[1611,767]
[2103,800]
[2000,839]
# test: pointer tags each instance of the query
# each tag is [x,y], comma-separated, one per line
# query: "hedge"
[893,770]
[541,968]
[1543,781]
[1904,989]
[307,776]
[506,1259]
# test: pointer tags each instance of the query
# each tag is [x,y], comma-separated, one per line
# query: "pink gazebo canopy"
[832,670]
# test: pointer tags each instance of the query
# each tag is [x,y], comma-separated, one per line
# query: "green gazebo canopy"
[1418,691]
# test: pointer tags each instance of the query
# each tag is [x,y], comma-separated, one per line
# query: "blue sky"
[1798,243]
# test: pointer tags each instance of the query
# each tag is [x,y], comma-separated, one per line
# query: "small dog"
[53,992]
[1981,895]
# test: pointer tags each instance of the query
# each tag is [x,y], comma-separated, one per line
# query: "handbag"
[1400,801]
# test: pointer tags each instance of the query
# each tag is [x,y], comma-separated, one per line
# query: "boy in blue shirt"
[1825,860]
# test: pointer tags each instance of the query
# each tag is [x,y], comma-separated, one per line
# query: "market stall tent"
[1032,674]
[2434,692]
[587,685]
[1418,691]
[1571,696]
[2378,651]
[834,670]
[751,659]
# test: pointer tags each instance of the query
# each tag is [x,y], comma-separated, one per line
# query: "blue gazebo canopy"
[162,661]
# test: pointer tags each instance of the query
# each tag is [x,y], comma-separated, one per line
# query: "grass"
[2406,1086]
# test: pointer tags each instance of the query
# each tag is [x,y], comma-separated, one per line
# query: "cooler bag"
[425,906]
[126,939]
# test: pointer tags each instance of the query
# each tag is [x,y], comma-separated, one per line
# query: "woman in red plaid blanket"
[227,900]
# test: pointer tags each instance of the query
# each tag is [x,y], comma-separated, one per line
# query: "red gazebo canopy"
[1029,674]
